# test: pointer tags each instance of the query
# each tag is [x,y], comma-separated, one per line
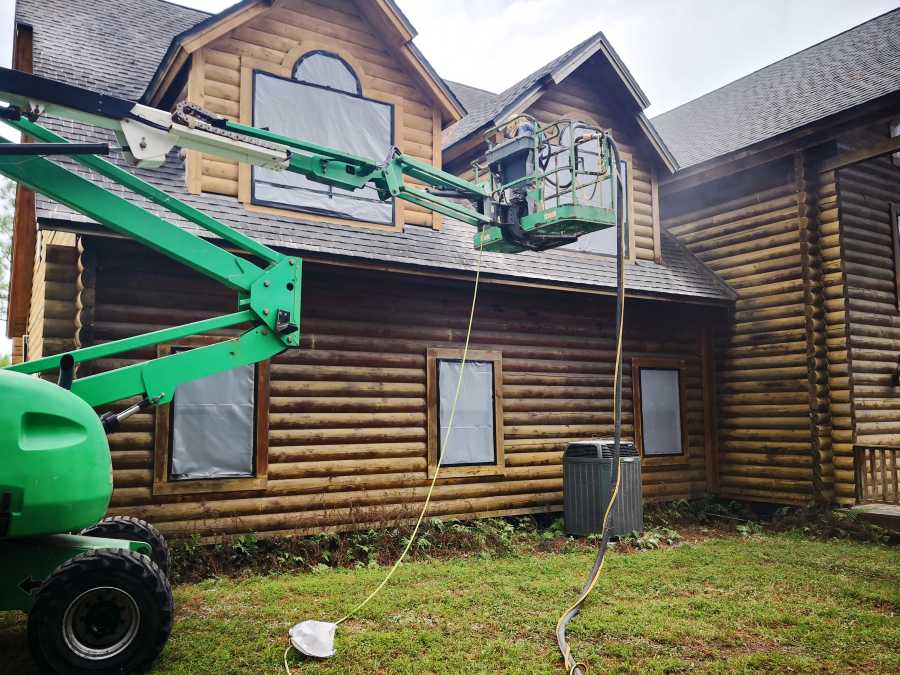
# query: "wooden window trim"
[162,428]
[663,363]
[895,238]
[499,467]
[248,65]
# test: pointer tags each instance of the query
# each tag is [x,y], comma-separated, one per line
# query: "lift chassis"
[99,600]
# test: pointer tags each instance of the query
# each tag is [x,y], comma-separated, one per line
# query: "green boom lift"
[96,589]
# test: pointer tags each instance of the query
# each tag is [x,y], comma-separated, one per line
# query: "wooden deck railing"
[877,475]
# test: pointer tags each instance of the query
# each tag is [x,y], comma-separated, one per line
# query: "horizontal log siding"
[577,98]
[18,350]
[271,36]
[51,323]
[348,409]
[753,243]
[866,191]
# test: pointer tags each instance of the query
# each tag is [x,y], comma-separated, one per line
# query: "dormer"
[345,75]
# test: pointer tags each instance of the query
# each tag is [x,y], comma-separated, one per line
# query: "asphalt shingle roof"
[95,43]
[484,108]
[854,67]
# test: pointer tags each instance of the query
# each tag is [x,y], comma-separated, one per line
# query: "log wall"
[348,410]
[866,191]
[748,229]
[273,41]
[51,320]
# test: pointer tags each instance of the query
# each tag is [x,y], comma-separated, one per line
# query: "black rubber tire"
[125,571]
[133,529]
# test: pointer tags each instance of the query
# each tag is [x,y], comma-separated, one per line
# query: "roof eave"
[726,300]
[809,134]
[187,42]
[600,43]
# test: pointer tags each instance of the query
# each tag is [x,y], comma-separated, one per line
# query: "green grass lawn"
[768,603]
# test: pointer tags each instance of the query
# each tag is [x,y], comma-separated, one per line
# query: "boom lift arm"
[509,215]
[539,187]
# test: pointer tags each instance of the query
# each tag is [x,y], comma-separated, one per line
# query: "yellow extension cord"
[415,531]
[571,664]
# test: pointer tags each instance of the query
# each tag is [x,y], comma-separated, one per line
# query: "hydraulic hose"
[574,667]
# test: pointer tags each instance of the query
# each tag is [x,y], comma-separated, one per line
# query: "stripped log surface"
[273,40]
[866,192]
[347,442]
[52,316]
[748,229]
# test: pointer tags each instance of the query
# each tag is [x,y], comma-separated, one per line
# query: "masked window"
[660,406]
[323,104]
[212,426]
[472,440]
[474,444]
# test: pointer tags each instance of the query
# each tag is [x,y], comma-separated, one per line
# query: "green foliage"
[651,540]
[748,529]
[771,603]
[246,545]
[248,554]
[825,523]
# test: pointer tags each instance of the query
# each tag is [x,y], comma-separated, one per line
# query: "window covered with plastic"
[661,411]
[212,426]
[322,104]
[472,439]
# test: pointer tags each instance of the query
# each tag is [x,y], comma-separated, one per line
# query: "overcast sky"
[676,49]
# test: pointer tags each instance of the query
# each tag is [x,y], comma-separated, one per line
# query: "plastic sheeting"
[472,438]
[330,118]
[326,71]
[213,426]
[660,411]
[313,638]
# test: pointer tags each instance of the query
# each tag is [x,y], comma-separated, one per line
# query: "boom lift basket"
[554,181]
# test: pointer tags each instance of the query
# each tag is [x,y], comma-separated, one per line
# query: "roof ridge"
[774,63]
[570,50]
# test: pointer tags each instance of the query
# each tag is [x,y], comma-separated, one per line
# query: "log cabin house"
[762,322]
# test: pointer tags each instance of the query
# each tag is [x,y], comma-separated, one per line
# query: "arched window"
[322,102]
[327,70]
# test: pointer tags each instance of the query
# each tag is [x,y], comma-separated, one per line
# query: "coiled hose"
[574,667]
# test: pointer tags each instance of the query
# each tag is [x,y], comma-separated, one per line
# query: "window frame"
[162,437]
[434,355]
[332,216]
[659,363]
[334,55]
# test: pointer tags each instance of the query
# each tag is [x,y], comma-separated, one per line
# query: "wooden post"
[816,354]
[710,416]
[24,237]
